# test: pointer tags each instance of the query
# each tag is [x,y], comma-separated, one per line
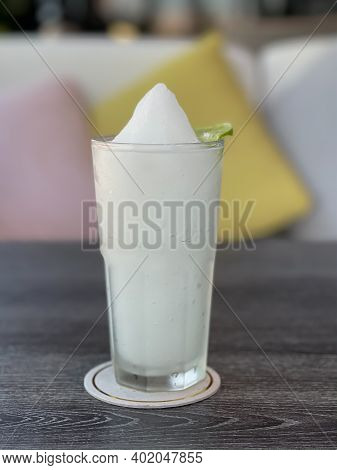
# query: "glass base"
[163,383]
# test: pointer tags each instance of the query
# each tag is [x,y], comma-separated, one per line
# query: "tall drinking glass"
[155,232]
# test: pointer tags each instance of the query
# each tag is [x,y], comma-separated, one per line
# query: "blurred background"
[67,67]
[251,21]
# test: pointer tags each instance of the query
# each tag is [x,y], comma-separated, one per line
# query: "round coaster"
[100,382]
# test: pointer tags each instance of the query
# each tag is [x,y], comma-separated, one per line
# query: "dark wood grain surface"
[284,293]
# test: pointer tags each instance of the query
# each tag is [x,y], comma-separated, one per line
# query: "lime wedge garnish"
[214,133]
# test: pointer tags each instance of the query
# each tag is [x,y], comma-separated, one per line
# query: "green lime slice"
[214,133]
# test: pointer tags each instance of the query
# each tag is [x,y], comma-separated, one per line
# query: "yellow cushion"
[254,167]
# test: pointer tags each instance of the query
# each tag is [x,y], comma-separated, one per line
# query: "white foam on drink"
[158,119]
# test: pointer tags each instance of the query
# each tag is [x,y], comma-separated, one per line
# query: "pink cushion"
[45,163]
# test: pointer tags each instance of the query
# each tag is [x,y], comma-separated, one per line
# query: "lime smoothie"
[159,297]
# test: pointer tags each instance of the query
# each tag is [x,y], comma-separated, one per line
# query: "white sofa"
[302,113]
[99,64]
[301,109]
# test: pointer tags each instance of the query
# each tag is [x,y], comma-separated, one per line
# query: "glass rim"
[107,142]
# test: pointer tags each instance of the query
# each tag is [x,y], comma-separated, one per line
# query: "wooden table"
[284,397]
